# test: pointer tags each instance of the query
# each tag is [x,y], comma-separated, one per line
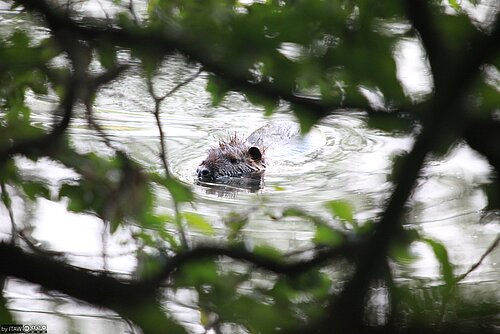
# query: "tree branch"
[422,20]
[348,250]
[164,42]
[445,110]
[48,141]
[128,297]
[131,300]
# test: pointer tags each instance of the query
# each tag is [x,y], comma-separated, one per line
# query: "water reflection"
[230,187]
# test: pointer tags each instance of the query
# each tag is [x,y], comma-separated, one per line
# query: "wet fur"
[234,158]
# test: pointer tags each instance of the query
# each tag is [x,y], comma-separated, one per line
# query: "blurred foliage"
[319,56]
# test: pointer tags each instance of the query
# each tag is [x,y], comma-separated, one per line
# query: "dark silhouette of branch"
[107,291]
[163,156]
[46,142]
[163,148]
[445,109]
[422,20]
[490,249]
[92,86]
[137,302]
[164,43]
[6,200]
[77,85]
[128,297]
[174,89]
[348,250]
[480,135]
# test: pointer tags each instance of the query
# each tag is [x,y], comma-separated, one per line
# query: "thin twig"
[448,293]
[181,84]
[163,148]
[104,242]
[92,123]
[131,9]
[7,202]
[490,249]
[34,245]
[108,18]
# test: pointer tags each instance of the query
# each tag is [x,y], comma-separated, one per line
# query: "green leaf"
[76,196]
[306,117]
[327,236]
[392,123]
[401,253]
[9,171]
[155,221]
[269,104]
[268,252]
[196,273]
[455,5]
[20,39]
[179,191]
[107,55]
[167,236]
[295,212]
[217,88]
[199,223]
[235,222]
[441,255]
[341,209]
[35,189]
[279,188]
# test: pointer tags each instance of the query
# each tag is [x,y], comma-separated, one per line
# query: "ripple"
[352,162]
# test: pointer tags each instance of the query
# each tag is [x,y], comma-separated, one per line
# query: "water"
[354,164]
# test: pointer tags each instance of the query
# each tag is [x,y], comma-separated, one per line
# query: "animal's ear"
[255,153]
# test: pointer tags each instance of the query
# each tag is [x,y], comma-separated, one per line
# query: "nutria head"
[234,158]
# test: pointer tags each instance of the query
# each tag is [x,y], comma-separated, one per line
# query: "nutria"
[233,158]
[246,158]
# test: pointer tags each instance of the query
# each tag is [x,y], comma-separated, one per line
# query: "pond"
[354,164]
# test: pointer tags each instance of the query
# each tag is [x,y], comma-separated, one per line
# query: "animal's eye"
[233,160]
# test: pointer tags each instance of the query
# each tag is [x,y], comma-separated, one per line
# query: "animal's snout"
[203,172]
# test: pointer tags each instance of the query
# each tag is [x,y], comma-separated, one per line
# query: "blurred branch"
[480,135]
[422,20]
[110,292]
[348,250]
[163,148]
[128,297]
[47,142]
[490,249]
[103,78]
[133,301]
[7,202]
[445,110]
[92,87]
[164,42]
[176,87]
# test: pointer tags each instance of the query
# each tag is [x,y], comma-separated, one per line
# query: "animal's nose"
[203,172]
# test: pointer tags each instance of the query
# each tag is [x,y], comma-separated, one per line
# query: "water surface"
[354,164]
